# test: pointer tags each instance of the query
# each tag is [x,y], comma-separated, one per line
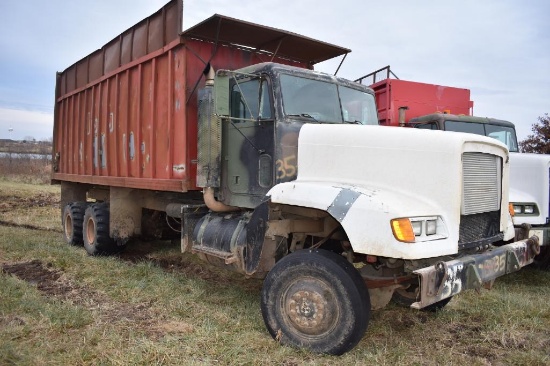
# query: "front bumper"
[543,233]
[525,231]
[446,279]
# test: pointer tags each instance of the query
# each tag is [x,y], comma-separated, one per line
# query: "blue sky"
[499,49]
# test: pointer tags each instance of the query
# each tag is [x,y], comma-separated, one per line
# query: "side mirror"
[221,93]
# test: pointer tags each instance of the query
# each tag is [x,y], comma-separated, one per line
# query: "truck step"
[227,256]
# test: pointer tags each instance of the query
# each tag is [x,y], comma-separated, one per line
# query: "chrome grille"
[481,183]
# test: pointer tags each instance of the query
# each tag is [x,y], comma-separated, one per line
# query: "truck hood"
[530,183]
[419,172]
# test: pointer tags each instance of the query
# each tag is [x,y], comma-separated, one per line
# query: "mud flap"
[255,233]
[446,279]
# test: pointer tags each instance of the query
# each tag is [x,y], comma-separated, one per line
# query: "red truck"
[398,101]
[262,165]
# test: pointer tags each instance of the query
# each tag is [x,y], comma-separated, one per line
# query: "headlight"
[431,227]
[525,209]
[419,229]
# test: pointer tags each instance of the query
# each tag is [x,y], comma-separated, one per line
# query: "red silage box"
[419,98]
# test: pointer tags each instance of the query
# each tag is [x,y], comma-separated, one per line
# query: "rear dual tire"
[73,218]
[96,230]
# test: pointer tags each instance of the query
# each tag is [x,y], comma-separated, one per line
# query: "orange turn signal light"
[403,230]
[511,209]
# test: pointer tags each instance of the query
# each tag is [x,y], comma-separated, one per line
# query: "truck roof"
[461,118]
[270,67]
[264,39]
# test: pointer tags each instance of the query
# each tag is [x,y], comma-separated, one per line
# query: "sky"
[499,49]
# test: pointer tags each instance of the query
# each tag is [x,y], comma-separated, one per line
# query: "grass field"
[153,306]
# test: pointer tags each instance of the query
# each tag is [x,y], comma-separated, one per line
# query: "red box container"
[420,98]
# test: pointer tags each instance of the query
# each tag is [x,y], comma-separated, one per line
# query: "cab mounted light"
[403,230]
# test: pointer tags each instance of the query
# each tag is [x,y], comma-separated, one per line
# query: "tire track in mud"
[53,283]
[8,203]
[28,226]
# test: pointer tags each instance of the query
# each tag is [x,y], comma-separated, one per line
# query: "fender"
[365,215]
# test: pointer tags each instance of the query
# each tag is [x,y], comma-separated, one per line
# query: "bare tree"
[539,141]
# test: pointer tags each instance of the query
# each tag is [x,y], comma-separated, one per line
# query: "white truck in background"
[437,107]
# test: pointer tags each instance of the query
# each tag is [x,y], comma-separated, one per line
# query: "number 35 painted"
[286,167]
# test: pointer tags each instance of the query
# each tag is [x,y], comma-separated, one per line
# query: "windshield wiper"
[356,122]
[303,115]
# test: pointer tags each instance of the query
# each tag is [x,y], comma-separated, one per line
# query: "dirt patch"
[187,264]
[53,283]
[8,203]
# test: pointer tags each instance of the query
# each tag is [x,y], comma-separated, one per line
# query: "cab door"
[248,143]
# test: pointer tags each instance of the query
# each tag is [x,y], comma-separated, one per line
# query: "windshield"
[506,135]
[326,102]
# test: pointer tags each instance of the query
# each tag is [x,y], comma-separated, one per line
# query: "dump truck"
[260,164]
[437,107]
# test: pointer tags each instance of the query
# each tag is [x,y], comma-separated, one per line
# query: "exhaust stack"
[209,145]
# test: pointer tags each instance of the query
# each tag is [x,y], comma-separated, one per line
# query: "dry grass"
[153,305]
[25,169]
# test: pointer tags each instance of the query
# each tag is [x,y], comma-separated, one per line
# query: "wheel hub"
[90,232]
[310,312]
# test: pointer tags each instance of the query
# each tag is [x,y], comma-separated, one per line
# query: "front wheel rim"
[310,307]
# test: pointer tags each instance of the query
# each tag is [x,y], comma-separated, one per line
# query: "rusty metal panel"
[126,47]
[177,107]
[151,34]
[139,42]
[161,141]
[121,123]
[82,73]
[126,115]
[112,56]
[95,69]
[173,23]
[112,130]
[70,78]
[146,119]
[262,39]
[134,135]
[87,142]
[155,32]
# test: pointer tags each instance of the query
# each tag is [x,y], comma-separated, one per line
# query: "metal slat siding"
[480,183]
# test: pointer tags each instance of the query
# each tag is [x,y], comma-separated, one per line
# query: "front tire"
[96,230]
[315,299]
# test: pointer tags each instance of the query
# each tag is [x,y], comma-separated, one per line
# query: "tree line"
[539,141]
